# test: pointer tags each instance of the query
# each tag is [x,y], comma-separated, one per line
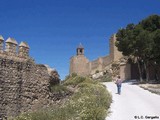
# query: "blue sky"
[54,28]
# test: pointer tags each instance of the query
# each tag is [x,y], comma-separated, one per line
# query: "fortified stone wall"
[106,61]
[81,65]
[115,55]
[94,65]
[100,64]
[24,85]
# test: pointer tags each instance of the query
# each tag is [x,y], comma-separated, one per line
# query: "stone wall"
[95,66]
[24,85]
[106,61]
[100,64]
[81,65]
[125,71]
[115,55]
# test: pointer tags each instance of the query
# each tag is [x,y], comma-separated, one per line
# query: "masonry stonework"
[115,55]
[24,85]
[81,65]
[125,71]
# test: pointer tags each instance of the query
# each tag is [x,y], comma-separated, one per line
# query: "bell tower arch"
[80,50]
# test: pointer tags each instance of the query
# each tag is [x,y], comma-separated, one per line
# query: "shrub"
[67,77]
[74,80]
[97,71]
[105,78]
[59,89]
[90,102]
[38,115]
[74,75]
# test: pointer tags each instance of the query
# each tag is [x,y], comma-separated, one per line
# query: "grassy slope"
[90,101]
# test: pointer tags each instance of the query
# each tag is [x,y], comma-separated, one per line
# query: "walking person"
[119,84]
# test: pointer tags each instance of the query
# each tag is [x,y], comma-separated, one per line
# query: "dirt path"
[134,103]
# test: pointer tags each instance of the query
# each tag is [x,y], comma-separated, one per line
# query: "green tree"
[156,38]
[142,42]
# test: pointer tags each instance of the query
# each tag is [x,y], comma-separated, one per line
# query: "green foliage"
[74,75]
[90,102]
[156,38]
[141,41]
[59,89]
[97,71]
[38,115]
[67,77]
[106,78]
[74,81]
[152,23]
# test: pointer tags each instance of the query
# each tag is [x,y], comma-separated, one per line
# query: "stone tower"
[80,50]
[1,43]
[11,46]
[23,50]
[115,55]
[79,64]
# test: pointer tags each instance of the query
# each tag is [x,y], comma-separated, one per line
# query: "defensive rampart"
[24,85]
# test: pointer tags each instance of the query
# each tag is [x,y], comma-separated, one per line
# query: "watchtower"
[23,50]
[11,45]
[115,55]
[1,43]
[79,64]
[80,50]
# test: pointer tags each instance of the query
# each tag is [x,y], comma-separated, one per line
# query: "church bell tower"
[79,63]
[80,50]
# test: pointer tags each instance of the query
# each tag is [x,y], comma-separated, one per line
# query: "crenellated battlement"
[11,50]
[24,85]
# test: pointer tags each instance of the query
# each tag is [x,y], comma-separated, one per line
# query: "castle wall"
[24,85]
[106,61]
[94,66]
[125,71]
[115,63]
[154,71]
[114,53]
[79,64]
[1,45]
[100,64]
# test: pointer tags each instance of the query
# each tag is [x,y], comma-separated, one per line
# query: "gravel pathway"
[134,103]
